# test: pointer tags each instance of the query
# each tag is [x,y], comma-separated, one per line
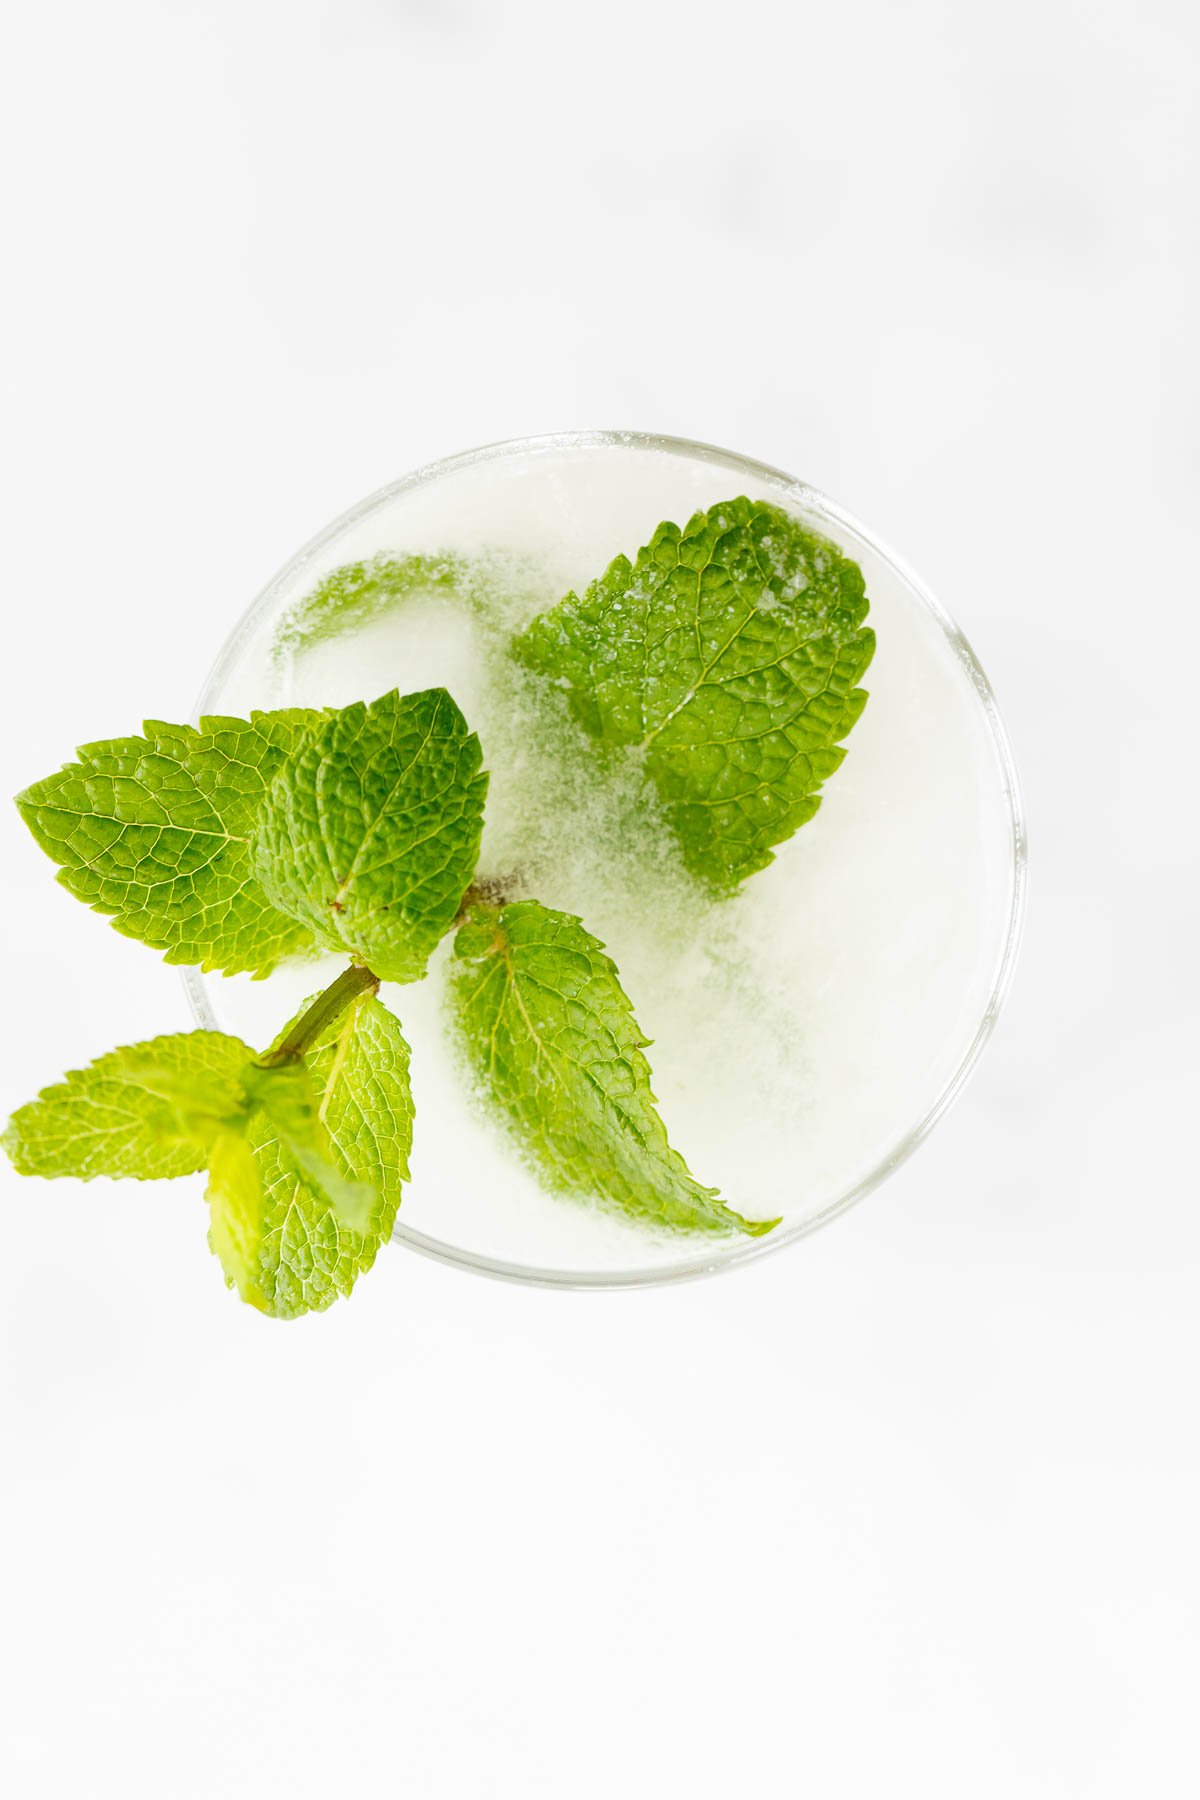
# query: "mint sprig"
[306,1145]
[300,1198]
[727,656]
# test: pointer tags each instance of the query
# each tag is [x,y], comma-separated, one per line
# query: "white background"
[911,1507]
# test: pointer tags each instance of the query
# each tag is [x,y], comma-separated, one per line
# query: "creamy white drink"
[804,1032]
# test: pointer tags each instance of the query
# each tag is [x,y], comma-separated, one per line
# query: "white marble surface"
[912,1506]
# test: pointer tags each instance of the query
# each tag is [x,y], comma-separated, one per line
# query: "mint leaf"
[237,1209]
[288,1101]
[553,1040]
[358,593]
[360,1068]
[728,656]
[154,831]
[369,835]
[281,1242]
[149,1111]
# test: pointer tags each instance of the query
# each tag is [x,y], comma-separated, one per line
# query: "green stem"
[327,1007]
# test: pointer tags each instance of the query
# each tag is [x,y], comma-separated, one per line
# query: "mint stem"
[324,1010]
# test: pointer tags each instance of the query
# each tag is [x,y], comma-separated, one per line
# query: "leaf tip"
[759,1227]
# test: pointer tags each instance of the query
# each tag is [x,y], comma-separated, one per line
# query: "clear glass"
[881,942]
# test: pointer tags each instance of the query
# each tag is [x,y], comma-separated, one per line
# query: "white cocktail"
[806,1032]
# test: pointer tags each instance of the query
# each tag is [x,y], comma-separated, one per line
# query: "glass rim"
[704,1263]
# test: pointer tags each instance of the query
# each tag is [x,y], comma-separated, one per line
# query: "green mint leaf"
[359,593]
[285,1246]
[554,1043]
[237,1216]
[360,1068]
[154,831]
[149,1111]
[370,834]
[728,655]
[287,1098]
